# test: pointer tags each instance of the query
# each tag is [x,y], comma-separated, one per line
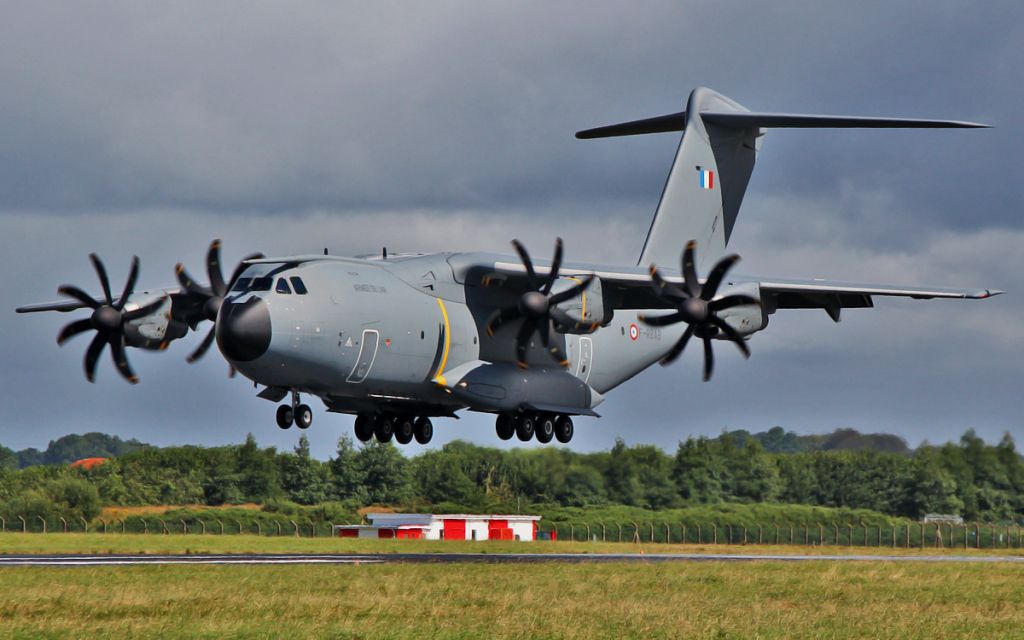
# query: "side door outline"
[356,376]
[586,365]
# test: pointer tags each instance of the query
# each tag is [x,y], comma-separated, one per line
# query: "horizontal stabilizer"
[750,120]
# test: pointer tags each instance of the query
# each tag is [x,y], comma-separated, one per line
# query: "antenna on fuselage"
[384,253]
[325,251]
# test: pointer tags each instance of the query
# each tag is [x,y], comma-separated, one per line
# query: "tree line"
[970,478]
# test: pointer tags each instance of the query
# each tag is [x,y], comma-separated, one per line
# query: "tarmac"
[451,558]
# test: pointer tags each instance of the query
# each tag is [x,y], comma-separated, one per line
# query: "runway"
[452,558]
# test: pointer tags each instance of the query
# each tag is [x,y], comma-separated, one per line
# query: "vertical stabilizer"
[705,187]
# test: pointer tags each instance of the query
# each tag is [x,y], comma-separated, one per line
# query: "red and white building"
[428,526]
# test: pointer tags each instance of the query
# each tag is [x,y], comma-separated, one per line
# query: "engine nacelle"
[748,318]
[586,308]
[156,329]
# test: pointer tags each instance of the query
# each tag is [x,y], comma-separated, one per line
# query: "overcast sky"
[150,129]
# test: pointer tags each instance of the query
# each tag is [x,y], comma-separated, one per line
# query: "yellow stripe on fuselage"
[439,377]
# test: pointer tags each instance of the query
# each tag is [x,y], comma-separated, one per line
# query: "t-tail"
[712,167]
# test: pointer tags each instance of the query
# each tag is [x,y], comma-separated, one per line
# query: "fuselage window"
[282,286]
[261,284]
[242,284]
[298,285]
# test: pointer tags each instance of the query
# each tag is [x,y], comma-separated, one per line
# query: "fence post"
[104,523]
[806,535]
[259,529]
[24,529]
[992,528]
[167,531]
[221,526]
[618,532]
[744,540]
[239,523]
[122,524]
[184,527]
[700,538]
[652,530]
[821,535]
[714,533]
[849,529]
[65,522]
[278,523]
[296,528]
[85,525]
[760,534]
[636,533]
[604,533]
[3,524]
[776,540]
[728,534]
[43,520]
[312,529]
[203,525]
[682,533]
[589,536]
[572,532]
[836,525]
[145,525]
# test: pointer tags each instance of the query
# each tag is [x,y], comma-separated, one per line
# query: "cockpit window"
[242,284]
[300,287]
[261,284]
[282,286]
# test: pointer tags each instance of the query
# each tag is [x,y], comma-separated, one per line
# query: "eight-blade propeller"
[107,319]
[210,297]
[537,308]
[696,305]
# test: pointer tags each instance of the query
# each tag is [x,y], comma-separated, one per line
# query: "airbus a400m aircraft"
[398,339]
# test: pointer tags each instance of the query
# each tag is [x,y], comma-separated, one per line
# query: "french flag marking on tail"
[707,178]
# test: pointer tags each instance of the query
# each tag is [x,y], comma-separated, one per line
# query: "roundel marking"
[634,332]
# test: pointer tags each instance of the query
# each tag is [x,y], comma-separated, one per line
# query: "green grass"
[99,543]
[704,600]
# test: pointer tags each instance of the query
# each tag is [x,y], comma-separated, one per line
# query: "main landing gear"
[403,428]
[295,413]
[542,425]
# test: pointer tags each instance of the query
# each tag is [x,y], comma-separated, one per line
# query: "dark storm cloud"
[150,129]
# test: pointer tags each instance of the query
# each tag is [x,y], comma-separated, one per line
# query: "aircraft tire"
[423,430]
[404,429]
[564,429]
[505,426]
[285,416]
[303,416]
[364,427]
[385,428]
[545,427]
[525,426]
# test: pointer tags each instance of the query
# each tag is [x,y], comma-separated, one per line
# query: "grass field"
[14,543]
[706,600]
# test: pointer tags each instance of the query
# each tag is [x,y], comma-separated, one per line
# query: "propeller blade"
[662,321]
[729,302]
[554,349]
[564,320]
[556,265]
[732,334]
[571,292]
[204,346]
[92,355]
[677,349]
[690,281]
[500,317]
[527,262]
[232,371]
[709,358]
[144,310]
[76,293]
[523,340]
[715,277]
[241,267]
[213,269]
[101,271]
[73,329]
[129,285]
[665,289]
[121,360]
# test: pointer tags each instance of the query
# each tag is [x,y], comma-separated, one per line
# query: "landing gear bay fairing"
[398,339]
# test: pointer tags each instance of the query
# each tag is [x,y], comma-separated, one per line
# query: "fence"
[906,535]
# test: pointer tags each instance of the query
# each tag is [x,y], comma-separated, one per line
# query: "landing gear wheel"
[423,430]
[563,429]
[385,428]
[404,430]
[524,426]
[285,416]
[364,427]
[545,428]
[505,426]
[303,416]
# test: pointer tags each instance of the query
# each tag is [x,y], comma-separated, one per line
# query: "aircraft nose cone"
[243,329]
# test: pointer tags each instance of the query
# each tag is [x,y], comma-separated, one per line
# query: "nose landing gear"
[301,415]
